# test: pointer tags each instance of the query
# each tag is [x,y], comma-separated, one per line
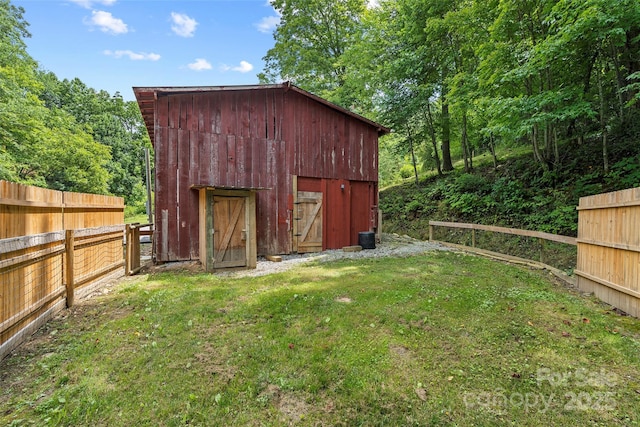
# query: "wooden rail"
[54,246]
[515,231]
[40,274]
[540,236]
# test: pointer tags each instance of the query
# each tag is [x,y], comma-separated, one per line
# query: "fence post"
[430,232]
[69,276]
[135,249]
[129,251]
[541,250]
[473,237]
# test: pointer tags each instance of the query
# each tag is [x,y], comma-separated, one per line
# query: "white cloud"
[244,67]
[200,65]
[107,22]
[268,24]
[139,56]
[88,4]
[183,25]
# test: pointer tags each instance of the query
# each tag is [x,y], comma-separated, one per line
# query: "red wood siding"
[364,208]
[328,144]
[256,139]
[346,212]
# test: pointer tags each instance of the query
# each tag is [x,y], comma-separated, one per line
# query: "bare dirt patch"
[401,351]
[293,407]
[213,363]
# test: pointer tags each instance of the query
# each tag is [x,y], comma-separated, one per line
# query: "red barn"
[257,170]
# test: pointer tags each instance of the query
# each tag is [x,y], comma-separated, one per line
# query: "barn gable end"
[262,139]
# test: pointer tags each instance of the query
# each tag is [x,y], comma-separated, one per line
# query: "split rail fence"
[544,252]
[55,247]
[608,246]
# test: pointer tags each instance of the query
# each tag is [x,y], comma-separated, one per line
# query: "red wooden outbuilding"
[242,171]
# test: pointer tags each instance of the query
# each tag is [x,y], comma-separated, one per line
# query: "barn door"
[309,221]
[229,232]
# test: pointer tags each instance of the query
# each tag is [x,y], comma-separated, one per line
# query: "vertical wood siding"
[254,139]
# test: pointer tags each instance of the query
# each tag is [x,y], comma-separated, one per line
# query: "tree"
[310,41]
[69,159]
[19,108]
[110,121]
[40,145]
[559,68]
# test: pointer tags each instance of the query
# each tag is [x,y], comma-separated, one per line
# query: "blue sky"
[116,44]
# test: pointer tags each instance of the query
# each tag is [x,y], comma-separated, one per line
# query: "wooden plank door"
[309,221]
[229,232]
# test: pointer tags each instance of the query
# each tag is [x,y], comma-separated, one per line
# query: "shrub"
[406,171]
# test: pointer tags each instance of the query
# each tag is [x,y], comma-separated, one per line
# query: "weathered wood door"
[309,221]
[229,232]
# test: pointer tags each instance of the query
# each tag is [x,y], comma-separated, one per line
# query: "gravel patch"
[392,245]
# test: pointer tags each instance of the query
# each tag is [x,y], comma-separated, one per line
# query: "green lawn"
[437,339]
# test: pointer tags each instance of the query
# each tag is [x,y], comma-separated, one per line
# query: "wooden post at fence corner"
[129,252]
[135,250]
[430,232]
[69,256]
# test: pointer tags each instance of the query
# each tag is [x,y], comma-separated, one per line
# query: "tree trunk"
[556,149]
[413,154]
[492,148]
[434,141]
[536,148]
[465,144]
[447,165]
[603,127]
[620,81]
[547,153]
[547,144]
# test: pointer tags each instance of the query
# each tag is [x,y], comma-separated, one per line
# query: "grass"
[438,339]
[137,218]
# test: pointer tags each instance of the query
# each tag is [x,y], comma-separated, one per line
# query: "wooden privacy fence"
[609,248]
[54,247]
[26,210]
[43,273]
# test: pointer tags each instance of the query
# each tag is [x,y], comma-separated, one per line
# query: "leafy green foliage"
[310,43]
[111,122]
[63,135]
[69,159]
[516,195]
[461,75]
[624,174]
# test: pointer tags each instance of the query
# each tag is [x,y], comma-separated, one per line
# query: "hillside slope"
[516,193]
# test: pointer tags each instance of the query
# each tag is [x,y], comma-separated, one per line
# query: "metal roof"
[146,97]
